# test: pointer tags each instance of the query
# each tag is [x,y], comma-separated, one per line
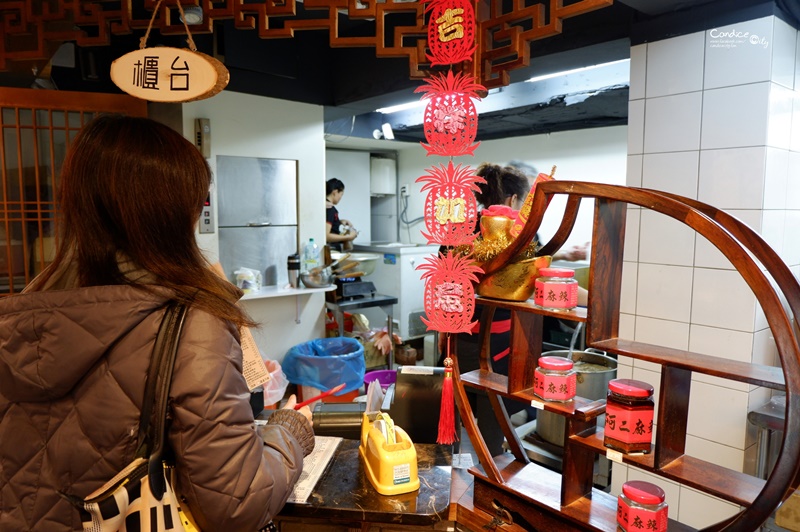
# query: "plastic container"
[641,506]
[629,416]
[311,257]
[385,377]
[556,289]
[554,379]
[325,363]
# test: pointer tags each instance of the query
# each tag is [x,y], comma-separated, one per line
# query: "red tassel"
[447,416]
[447,420]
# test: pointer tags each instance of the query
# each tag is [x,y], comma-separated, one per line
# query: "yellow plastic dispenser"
[388,455]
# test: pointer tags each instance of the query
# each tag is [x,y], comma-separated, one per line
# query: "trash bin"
[325,363]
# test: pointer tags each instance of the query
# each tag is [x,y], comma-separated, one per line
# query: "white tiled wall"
[715,116]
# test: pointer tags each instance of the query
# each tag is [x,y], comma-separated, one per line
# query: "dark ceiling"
[351,82]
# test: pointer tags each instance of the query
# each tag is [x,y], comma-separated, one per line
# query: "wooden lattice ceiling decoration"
[31,31]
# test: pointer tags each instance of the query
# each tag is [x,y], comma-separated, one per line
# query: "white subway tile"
[794,141]
[672,334]
[779,128]
[664,240]
[675,65]
[672,490]
[764,349]
[633,175]
[726,125]
[793,178]
[725,344]
[718,414]
[708,256]
[783,47]
[776,178]
[664,292]
[721,298]
[635,127]
[675,172]
[731,57]
[673,123]
[773,230]
[638,72]
[791,244]
[732,178]
[627,298]
[627,329]
[715,453]
[699,510]
[632,217]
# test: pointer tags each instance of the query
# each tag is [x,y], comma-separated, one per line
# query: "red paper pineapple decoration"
[450,119]
[449,296]
[450,206]
[451,31]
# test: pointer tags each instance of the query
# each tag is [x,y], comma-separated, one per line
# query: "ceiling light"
[193,15]
[576,70]
[401,107]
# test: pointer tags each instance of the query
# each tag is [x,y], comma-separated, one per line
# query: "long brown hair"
[134,187]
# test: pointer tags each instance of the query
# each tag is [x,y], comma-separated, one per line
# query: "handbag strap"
[159,379]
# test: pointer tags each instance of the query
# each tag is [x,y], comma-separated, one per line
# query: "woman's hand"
[292,401]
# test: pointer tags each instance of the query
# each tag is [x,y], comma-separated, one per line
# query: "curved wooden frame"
[743,247]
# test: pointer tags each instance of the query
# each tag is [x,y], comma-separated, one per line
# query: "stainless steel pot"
[590,385]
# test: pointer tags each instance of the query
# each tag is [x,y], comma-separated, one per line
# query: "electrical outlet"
[404,190]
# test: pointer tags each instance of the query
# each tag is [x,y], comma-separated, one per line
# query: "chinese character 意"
[451,25]
[448,297]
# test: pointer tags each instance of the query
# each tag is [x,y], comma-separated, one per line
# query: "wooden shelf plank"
[576,314]
[759,375]
[533,488]
[708,477]
[580,408]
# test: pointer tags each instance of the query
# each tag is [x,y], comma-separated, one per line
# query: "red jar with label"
[629,416]
[556,289]
[641,506]
[554,379]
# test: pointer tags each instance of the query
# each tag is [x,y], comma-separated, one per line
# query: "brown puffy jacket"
[72,374]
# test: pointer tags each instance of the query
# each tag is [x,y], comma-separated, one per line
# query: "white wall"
[597,155]
[253,126]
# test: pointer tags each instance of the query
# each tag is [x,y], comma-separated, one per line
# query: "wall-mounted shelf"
[278,291]
[268,292]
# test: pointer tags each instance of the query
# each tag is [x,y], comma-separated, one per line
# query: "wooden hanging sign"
[165,74]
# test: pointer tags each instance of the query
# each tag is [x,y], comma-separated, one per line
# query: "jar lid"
[643,492]
[555,363]
[630,388]
[556,272]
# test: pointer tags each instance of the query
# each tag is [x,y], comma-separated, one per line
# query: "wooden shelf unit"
[568,500]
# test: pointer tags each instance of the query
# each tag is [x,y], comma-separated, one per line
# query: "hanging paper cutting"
[449,297]
[451,31]
[450,206]
[450,120]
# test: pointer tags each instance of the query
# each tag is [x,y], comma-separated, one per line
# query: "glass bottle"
[554,379]
[641,506]
[629,416]
[556,289]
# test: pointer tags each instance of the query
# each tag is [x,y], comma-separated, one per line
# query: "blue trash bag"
[325,363]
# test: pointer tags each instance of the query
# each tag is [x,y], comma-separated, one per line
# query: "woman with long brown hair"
[75,347]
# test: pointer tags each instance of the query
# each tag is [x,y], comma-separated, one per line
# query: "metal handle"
[259,224]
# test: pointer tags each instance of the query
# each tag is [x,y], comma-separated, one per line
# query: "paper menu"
[313,466]
[253,367]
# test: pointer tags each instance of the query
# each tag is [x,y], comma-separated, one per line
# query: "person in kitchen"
[75,347]
[336,237]
[507,186]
